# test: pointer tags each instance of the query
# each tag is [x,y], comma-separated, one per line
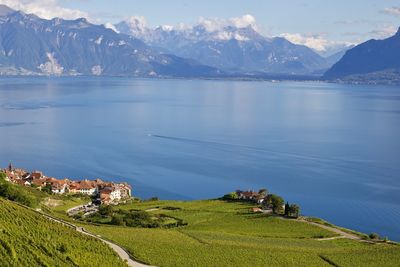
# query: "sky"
[315,23]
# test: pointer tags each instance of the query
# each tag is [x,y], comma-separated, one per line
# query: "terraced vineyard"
[28,239]
[227,234]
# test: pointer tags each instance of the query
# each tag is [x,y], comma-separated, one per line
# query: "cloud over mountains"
[46,9]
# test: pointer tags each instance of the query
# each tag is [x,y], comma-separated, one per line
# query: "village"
[101,191]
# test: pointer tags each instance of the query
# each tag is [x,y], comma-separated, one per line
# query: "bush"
[106,210]
[47,189]
[117,220]
[140,215]
[230,196]
[374,236]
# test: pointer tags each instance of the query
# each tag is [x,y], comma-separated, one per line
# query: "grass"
[223,233]
[28,239]
[227,234]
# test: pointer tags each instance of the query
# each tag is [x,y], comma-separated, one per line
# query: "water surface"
[334,149]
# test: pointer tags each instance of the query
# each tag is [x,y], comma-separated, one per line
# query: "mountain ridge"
[229,46]
[370,57]
[33,46]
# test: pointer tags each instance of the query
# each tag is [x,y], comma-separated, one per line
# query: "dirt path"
[341,233]
[119,250]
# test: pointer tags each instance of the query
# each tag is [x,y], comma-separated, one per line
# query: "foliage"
[374,236]
[293,210]
[287,209]
[106,210]
[276,202]
[231,196]
[28,239]
[263,192]
[132,218]
[17,193]
[47,189]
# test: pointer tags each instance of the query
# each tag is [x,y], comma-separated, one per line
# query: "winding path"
[119,250]
[341,233]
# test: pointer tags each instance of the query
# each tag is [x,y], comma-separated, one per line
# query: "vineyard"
[28,239]
[226,234]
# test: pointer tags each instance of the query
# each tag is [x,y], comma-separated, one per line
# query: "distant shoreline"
[241,78]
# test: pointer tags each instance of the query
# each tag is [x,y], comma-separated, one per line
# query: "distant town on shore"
[105,192]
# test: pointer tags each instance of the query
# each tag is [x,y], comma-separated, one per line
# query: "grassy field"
[226,234]
[28,239]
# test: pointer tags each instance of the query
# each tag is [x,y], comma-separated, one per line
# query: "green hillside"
[28,239]
[223,233]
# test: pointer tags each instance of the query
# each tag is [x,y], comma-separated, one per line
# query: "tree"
[374,236]
[287,209]
[231,196]
[276,202]
[294,210]
[3,176]
[117,220]
[140,215]
[263,192]
[106,210]
[47,189]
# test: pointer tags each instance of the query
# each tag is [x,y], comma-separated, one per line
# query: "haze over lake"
[334,149]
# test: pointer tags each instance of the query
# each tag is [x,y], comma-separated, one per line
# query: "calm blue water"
[334,149]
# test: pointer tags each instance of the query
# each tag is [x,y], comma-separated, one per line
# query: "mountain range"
[30,45]
[229,47]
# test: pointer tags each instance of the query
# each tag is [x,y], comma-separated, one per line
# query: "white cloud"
[394,11]
[244,21]
[47,9]
[384,32]
[315,41]
[212,25]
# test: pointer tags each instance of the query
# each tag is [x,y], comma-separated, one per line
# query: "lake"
[332,148]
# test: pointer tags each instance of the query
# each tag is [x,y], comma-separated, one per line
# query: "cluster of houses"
[107,192]
[257,197]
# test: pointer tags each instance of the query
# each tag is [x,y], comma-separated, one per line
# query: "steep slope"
[335,57]
[31,45]
[230,47]
[27,239]
[371,57]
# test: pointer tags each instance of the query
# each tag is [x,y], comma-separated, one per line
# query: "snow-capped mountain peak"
[234,44]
